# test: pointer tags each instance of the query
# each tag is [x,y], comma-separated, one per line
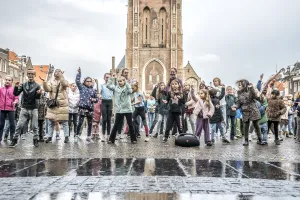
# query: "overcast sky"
[229,39]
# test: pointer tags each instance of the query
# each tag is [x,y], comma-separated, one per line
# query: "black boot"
[49,140]
[246,142]
[165,139]
[156,135]
[36,142]
[277,142]
[13,143]
[67,140]
[41,139]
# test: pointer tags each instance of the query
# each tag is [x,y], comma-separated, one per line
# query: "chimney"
[113,63]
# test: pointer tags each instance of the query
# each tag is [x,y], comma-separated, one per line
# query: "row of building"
[16,66]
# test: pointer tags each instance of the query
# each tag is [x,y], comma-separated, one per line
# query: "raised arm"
[129,89]
[111,84]
[222,93]
[18,89]
[77,81]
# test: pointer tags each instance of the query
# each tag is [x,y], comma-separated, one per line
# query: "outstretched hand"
[42,79]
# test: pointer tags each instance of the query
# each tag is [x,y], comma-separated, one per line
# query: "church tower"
[154,40]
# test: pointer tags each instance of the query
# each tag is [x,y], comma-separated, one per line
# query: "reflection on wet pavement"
[149,167]
[156,196]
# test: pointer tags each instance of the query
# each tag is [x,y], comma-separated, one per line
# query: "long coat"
[275,109]
[246,101]
[61,112]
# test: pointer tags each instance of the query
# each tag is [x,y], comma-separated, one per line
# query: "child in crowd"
[291,118]
[73,98]
[139,111]
[275,110]
[204,110]
[122,106]
[176,104]
[161,95]
[284,122]
[217,118]
[88,97]
[96,119]
[42,111]
[263,122]
[231,100]
[190,99]
[151,104]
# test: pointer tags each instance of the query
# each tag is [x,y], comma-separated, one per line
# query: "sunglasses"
[88,81]
[120,81]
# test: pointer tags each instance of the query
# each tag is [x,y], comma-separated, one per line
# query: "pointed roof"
[29,63]
[189,67]
[122,63]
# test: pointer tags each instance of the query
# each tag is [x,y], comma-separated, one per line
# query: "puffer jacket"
[202,107]
[86,94]
[7,98]
[122,96]
[73,98]
[97,111]
[190,100]
[276,109]
[61,112]
[29,96]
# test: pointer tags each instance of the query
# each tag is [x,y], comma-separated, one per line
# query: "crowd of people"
[172,108]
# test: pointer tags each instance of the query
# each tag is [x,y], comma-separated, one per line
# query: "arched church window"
[162,21]
[146,26]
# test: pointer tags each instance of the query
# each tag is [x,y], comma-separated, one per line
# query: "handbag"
[52,103]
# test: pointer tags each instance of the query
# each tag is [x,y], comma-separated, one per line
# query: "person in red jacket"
[7,106]
[96,119]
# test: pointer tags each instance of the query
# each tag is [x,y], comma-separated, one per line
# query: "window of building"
[295,86]
[5,66]
[16,73]
[0,64]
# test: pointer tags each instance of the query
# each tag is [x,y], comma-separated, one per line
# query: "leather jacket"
[29,96]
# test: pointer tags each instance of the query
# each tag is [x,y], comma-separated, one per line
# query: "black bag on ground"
[187,140]
[51,103]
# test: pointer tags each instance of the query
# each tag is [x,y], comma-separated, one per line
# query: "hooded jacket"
[7,98]
[86,94]
[29,96]
[73,98]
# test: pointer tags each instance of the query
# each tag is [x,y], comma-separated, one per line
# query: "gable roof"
[189,67]
[12,56]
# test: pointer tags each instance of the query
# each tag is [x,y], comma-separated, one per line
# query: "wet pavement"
[149,171]
[154,149]
[150,167]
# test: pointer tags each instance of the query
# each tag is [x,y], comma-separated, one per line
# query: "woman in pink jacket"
[7,106]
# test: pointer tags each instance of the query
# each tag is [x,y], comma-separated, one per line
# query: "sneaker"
[57,137]
[102,138]
[209,144]
[45,137]
[134,142]
[288,135]
[224,140]
[36,142]
[156,135]
[66,140]
[49,140]
[23,137]
[147,139]
[280,139]
[139,136]
[165,140]
[269,135]
[277,142]
[122,137]
[88,139]
[264,143]
[236,138]
[13,143]
[5,138]
[246,143]
[117,137]
[76,139]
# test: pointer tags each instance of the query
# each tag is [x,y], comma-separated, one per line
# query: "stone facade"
[4,59]
[154,40]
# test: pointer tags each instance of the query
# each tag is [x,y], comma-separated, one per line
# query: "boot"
[67,140]
[36,142]
[259,141]
[277,142]
[246,142]
[224,140]
[13,143]
[165,139]
[41,139]
[49,140]
[209,144]
[156,135]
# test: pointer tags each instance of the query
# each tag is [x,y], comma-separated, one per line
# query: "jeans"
[11,119]
[47,124]
[51,126]
[232,127]
[89,118]
[264,131]
[106,112]
[213,129]
[139,112]
[25,116]
[150,118]
[191,119]
[290,126]
[118,122]
[73,119]
[160,125]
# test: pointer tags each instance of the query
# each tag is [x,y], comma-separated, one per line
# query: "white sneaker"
[102,138]
[118,137]
[147,139]
[23,137]
[57,137]
[122,136]
[76,139]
